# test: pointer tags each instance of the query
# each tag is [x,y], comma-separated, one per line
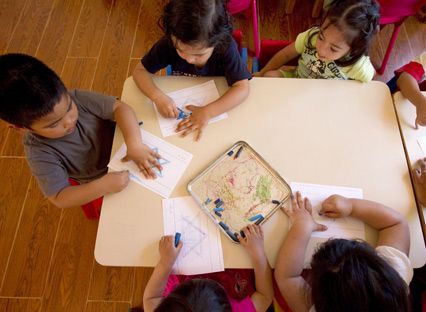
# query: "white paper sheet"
[174,161]
[342,227]
[339,228]
[422,143]
[202,247]
[198,95]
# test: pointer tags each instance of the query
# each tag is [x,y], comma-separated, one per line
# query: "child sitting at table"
[68,134]
[335,50]
[197,42]
[346,275]
[166,292]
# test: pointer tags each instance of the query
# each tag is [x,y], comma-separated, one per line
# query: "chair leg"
[392,40]
[255,29]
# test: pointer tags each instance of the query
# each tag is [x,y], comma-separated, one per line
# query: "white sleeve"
[398,260]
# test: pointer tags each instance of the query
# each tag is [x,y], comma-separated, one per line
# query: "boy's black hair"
[29,89]
[349,275]
[196,295]
[198,21]
[358,20]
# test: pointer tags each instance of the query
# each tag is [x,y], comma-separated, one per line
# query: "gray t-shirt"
[82,155]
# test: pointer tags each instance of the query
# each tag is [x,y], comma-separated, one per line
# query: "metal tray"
[238,189]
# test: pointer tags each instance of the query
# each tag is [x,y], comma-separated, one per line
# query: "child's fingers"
[197,135]
[299,199]
[308,205]
[320,227]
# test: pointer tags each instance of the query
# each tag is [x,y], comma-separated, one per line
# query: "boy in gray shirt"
[68,134]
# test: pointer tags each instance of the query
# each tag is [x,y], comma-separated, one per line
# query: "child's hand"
[301,213]
[195,122]
[253,241]
[421,113]
[168,251]
[336,206]
[419,176]
[166,106]
[114,182]
[145,158]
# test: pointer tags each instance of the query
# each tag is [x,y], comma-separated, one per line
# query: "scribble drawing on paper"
[194,236]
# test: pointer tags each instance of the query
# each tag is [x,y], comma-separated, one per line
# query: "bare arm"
[253,242]
[157,283]
[164,103]
[410,89]
[72,196]
[392,226]
[281,58]
[291,257]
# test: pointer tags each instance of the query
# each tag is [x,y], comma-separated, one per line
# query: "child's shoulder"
[362,70]
[308,37]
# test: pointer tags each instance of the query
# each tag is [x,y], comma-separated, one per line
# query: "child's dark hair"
[197,21]
[29,89]
[349,275]
[196,295]
[358,20]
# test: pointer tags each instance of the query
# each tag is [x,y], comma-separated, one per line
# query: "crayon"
[208,201]
[229,232]
[140,123]
[218,214]
[219,204]
[238,152]
[242,234]
[254,218]
[230,153]
[177,238]
[217,201]
[223,225]
[218,209]
[276,202]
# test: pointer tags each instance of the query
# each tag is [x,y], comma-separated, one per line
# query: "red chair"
[238,6]
[91,210]
[395,12]
[268,48]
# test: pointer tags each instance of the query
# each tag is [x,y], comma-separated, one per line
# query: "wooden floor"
[46,254]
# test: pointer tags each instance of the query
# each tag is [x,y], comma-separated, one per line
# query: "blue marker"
[256,217]
[177,238]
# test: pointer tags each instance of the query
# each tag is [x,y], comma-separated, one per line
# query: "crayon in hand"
[177,238]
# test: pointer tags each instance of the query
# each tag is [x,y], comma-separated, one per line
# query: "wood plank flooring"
[47,261]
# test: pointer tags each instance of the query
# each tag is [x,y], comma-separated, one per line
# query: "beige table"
[406,113]
[314,131]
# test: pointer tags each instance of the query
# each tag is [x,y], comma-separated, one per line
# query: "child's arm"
[141,154]
[279,59]
[392,226]
[200,116]
[410,89]
[253,242]
[72,196]
[164,103]
[291,257]
[154,289]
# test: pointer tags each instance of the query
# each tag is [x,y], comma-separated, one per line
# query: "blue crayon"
[254,218]
[218,214]
[259,221]
[218,209]
[177,238]
[218,200]
[276,202]
[208,201]
[223,225]
[230,153]
[220,203]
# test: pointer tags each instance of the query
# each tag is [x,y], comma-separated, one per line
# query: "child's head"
[196,295]
[348,275]
[32,96]
[196,28]
[347,30]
